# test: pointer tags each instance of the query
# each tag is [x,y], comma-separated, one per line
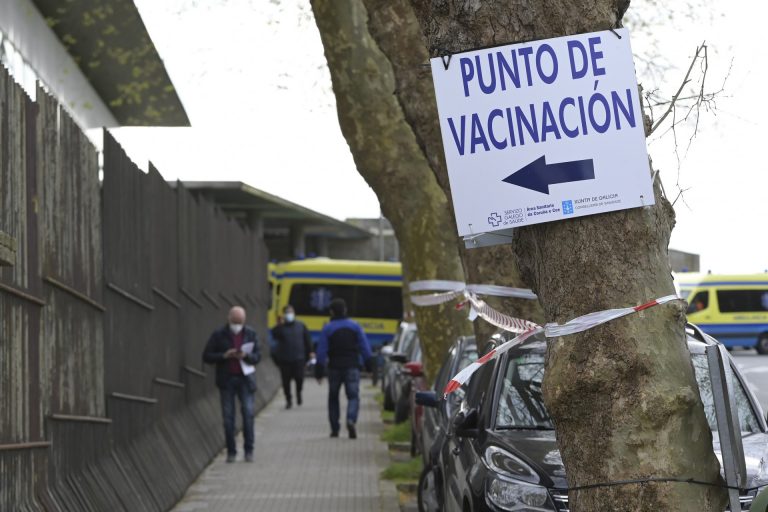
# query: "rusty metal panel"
[19,396]
[165,350]
[128,294]
[21,429]
[70,210]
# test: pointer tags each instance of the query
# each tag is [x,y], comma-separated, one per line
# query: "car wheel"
[389,404]
[427,492]
[762,344]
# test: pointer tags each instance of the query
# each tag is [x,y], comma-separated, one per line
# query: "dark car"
[418,384]
[401,388]
[502,454]
[429,424]
[407,350]
[395,359]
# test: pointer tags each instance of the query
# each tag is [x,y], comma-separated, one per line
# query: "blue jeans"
[237,386]
[350,377]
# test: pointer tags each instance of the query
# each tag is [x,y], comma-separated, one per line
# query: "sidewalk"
[298,467]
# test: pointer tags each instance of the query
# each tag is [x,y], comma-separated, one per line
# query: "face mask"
[290,317]
[236,328]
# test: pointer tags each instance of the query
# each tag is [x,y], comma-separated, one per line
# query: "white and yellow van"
[732,308]
[371,289]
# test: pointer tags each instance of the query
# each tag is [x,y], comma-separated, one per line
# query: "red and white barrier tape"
[448,291]
[435,299]
[497,318]
[591,320]
[478,289]
[553,330]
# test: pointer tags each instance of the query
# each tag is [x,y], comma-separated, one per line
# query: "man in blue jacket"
[227,348]
[343,346]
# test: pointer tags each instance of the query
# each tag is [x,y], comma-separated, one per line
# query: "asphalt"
[298,467]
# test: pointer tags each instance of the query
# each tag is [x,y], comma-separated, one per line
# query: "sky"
[253,79]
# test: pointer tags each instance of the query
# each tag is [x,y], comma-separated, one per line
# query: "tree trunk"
[388,157]
[394,26]
[623,396]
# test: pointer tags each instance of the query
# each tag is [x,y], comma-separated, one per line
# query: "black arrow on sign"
[538,175]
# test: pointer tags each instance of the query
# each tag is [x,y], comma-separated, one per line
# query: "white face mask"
[290,317]
[236,328]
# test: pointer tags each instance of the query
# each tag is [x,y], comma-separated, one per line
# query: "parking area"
[298,467]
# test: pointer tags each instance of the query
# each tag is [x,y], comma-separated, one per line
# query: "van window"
[741,301]
[700,301]
[362,301]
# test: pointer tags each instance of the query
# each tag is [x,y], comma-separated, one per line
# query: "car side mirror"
[415,368]
[427,398]
[398,357]
[465,424]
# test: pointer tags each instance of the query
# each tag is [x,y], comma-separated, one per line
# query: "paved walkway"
[298,467]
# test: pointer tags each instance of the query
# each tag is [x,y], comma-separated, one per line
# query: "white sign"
[542,131]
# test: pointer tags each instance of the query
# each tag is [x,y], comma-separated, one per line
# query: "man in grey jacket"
[291,350]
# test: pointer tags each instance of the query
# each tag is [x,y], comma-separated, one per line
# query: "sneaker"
[248,457]
[352,430]
[334,433]
[230,458]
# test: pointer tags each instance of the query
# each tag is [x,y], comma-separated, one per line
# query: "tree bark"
[388,157]
[394,26]
[623,396]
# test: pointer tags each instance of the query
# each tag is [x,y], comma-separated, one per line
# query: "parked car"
[426,422]
[401,389]
[429,424]
[394,360]
[418,384]
[501,452]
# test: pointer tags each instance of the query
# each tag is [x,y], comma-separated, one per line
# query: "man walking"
[292,350]
[344,346]
[234,349]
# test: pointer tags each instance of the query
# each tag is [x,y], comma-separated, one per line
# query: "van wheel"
[762,344]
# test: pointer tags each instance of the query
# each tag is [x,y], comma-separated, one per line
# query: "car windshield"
[747,419]
[521,405]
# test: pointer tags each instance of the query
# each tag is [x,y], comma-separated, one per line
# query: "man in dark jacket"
[344,346]
[234,349]
[292,350]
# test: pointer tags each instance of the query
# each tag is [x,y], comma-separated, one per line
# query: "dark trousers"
[293,370]
[237,386]
[350,377]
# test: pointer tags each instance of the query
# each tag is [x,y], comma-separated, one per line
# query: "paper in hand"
[247,368]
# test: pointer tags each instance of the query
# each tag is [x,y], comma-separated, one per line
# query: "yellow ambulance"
[371,289]
[731,308]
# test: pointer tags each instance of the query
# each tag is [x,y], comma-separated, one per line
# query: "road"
[754,368]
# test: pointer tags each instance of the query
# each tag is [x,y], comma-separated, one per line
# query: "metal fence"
[106,300]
